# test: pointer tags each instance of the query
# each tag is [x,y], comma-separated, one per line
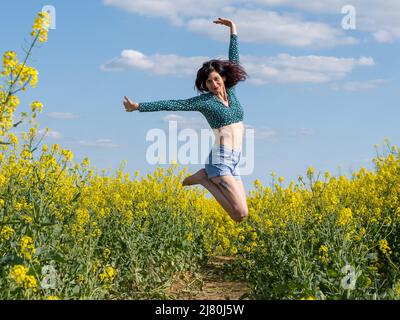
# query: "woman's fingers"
[129,104]
[223,21]
[128,100]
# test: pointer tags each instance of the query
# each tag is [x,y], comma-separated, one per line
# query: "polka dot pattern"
[216,113]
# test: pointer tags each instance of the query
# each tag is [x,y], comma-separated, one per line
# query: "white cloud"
[51,134]
[62,115]
[384,36]
[359,85]
[263,133]
[174,10]
[99,143]
[259,26]
[381,18]
[306,131]
[169,64]
[256,25]
[285,68]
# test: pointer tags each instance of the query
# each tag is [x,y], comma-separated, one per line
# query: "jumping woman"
[216,80]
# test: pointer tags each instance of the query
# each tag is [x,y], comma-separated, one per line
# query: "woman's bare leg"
[235,195]
[229,192]
[200,177]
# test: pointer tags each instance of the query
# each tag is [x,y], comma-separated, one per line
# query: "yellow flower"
[18,274]
[36,105]
[27,247]
[55,147]
[310,171]
[108,275]
[30,282]
[323,253]
[52,298]
[41,26]
[6,233]
[13,139]
[26,154]
[384,247]
[359,236]
[308,298]
[345,216]
[86,162]
[257,183]
[68,155]
[26,218]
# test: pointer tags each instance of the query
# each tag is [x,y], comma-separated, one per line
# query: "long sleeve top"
[215,112]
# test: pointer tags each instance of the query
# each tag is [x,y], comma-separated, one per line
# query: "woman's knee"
[241,214]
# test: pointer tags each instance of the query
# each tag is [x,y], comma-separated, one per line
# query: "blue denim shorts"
[223,161]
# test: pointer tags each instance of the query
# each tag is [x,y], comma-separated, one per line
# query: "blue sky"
[317,94]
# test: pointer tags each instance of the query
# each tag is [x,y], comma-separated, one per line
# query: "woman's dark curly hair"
[232,71]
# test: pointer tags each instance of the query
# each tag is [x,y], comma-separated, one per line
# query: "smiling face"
[215,83]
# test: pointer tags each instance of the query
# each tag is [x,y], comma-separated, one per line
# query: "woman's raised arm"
[233,45]
[228,23]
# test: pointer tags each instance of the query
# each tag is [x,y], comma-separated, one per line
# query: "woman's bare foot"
[196,178]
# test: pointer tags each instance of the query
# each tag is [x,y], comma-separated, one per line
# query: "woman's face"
[215,83]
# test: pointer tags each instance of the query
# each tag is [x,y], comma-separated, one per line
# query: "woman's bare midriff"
[230,135]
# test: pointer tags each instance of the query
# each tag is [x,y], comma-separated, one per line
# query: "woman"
[225,116]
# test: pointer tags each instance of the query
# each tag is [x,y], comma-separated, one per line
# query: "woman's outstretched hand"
[228,23]
[130,105]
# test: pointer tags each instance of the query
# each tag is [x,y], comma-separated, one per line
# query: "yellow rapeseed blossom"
[108,275]
[41,26]
[360,234]
[26,218]
[36,105]
[27,247]
[384,247]
[308,298]
[30,282]
[345,216]
[13,139]
[18,274]
[10,62]
[85,162]
[323,253]
[68,155]
[6,233]
[310,172]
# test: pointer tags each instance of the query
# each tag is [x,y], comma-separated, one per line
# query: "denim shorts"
[223,161]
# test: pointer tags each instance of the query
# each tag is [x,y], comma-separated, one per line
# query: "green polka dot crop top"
[216,113]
